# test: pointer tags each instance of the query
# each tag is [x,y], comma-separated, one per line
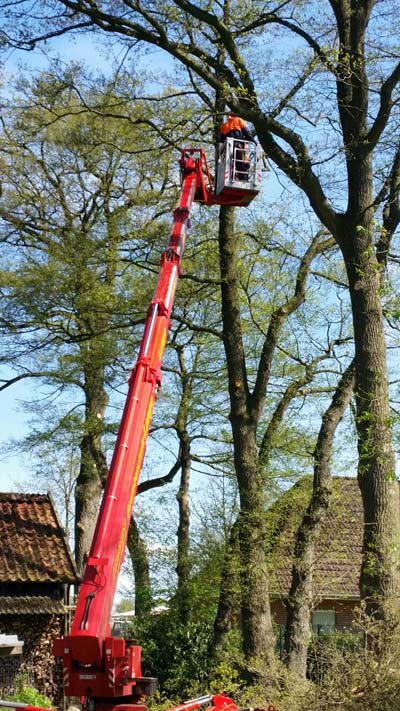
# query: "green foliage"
[349,670]
[177,656]
[27,694]
[324,648]
[74,139]
[125,605]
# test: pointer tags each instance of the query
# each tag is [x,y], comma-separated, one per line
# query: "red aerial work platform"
[105,671]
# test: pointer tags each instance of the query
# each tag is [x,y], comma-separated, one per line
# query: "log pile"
[37,662]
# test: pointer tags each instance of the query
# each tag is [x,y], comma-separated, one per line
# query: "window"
[323,621]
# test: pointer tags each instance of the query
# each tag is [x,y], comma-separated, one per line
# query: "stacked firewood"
[37,666]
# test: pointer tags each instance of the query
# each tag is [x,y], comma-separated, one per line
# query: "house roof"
[337,559]
[33,545]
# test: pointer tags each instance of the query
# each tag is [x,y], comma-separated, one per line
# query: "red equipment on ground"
[220,703]
[105,671]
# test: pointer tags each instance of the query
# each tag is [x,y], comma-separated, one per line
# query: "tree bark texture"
[379,580]
[93,467]
[183,565]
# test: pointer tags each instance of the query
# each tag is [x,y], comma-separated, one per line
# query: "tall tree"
[354,140]
[71,187]
[183,563]
[298,627]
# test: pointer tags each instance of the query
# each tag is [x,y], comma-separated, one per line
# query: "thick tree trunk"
[379,580]
[87,495]
[256,615]
[298,625]
[141,569]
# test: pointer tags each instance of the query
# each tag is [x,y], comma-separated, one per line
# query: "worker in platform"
[235,127]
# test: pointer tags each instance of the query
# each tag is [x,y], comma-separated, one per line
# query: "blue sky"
[79,49]
[15,468]
[13,424]
[14,421]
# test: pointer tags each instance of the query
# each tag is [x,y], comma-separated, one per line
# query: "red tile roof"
[33,547]
[337,562]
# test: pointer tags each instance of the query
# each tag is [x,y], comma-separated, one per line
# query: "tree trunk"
[93,469]
[183,565]
[299,604]
[229,595]
[256,615]
[141,569]
[379,580]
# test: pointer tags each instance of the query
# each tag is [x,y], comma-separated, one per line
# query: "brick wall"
[344,611]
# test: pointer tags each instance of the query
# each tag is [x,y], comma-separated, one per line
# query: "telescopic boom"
[105,671]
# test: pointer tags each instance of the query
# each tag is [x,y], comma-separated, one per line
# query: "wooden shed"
[37,572]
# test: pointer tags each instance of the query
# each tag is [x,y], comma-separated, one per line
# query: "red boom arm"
[106,671]
[91,621]
[97,666]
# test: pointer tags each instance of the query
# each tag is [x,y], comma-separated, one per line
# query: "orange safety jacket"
[234,123]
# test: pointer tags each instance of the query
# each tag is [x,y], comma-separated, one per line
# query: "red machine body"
[105,671]
[219,703]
